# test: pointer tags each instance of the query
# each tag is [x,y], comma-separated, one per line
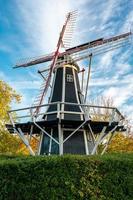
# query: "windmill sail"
[68,22]
[67,38]
[96,47]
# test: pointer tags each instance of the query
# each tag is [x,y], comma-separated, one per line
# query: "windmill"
[67,125]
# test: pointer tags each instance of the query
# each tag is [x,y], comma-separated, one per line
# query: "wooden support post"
[88,78]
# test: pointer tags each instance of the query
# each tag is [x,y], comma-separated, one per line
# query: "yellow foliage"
[7,95]
[8,143]
[121,143]
[24,150]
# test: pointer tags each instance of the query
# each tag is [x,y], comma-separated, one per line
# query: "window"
[69,78]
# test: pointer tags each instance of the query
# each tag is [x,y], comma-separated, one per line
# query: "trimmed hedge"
[108,177]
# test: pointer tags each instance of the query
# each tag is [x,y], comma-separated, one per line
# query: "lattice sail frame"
[95,47]
[67,38]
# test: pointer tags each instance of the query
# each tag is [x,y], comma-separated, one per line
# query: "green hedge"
[108,177]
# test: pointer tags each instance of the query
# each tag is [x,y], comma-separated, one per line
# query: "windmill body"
[65,88]
[67,125]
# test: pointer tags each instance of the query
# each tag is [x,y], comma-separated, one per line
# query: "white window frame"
[70,78]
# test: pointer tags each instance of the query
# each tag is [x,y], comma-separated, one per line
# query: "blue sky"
[31,28]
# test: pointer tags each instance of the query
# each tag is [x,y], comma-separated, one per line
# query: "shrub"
[108,177]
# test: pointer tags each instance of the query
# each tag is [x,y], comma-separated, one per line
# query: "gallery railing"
[93,112]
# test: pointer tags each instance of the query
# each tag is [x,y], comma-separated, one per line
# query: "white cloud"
[25,85]
[109,9]
[111,81]
[42,21]
[119,94]
[128,23]
[106,60]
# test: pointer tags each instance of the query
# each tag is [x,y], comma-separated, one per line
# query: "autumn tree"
[102,114]
[34,142]
[8,143]
[120,142]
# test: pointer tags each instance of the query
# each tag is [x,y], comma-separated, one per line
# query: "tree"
[8,143]
[34,142]
[102,114]
[121,143]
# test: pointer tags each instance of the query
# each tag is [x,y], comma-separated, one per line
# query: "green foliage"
[108,177]
[8,144]
[121,143]
[7,95]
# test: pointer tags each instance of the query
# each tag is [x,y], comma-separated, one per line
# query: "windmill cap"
[67,60]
